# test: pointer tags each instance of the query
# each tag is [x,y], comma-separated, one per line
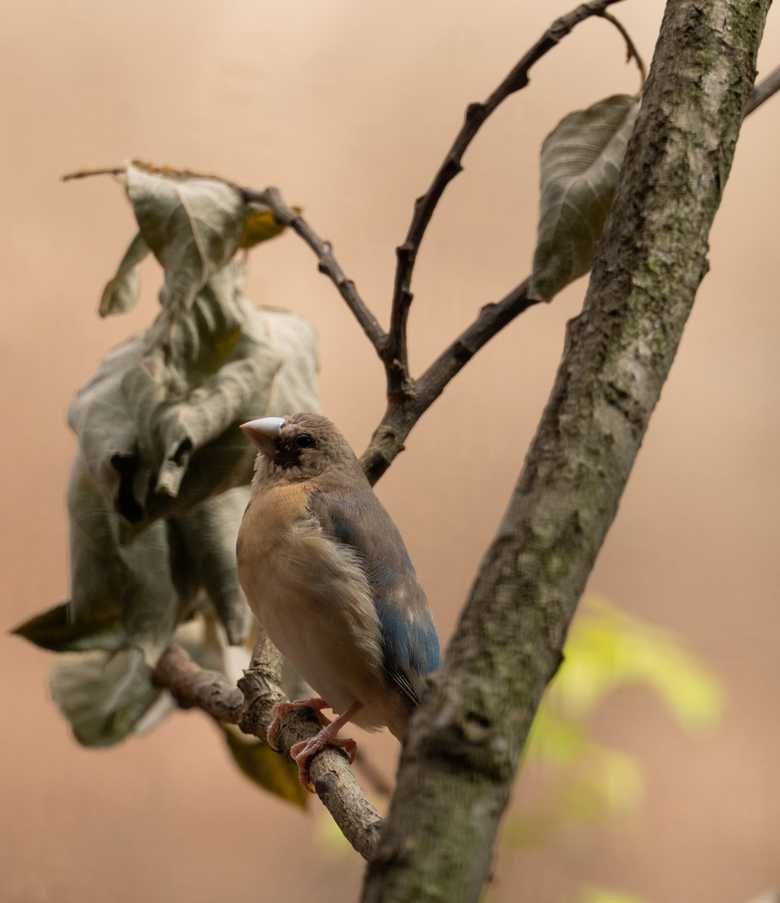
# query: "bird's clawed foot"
[302,753]
[282,708]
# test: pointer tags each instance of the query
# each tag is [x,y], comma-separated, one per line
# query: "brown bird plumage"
[327,574]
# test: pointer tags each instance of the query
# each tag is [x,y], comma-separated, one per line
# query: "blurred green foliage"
[585,781]
[580,779]
[600,895]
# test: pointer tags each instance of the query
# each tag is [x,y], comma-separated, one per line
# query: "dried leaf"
[142,425]
[294,386]
[207,536]
[266,768]
[124,587]
[58,631]
[159,485]
[191,223]
[121,293]
[580,164]
[103,695]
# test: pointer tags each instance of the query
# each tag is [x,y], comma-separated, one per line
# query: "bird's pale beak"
[263,432]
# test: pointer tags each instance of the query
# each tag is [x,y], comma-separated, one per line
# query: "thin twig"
[328,264]
[249,706]
[476,114]
[88,173]
[763,91]
[631,49]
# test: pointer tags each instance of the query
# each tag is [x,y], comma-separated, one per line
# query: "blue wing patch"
[355,518]
[411,647]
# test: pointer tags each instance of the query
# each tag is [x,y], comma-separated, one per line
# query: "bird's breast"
[313,598]
[270,518]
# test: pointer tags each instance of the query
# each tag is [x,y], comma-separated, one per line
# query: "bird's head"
[298,447]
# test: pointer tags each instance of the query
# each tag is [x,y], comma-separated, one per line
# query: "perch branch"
[249,706]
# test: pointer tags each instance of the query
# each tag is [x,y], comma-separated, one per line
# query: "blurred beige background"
[349,107]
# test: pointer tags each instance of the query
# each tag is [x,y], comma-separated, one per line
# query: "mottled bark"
[462,753]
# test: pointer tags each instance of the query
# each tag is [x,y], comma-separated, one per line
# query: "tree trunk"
[461,756]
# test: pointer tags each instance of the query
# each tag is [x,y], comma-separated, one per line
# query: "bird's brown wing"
[353,516]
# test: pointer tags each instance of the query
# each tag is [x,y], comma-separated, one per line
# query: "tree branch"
[249,706]
[328,264]
[475,117]
[632,53]
[763,91]
[401,415]
[461,755]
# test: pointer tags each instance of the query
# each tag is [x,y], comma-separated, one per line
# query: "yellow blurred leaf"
[266,768]
[603,895]
[259,225]
[608,648]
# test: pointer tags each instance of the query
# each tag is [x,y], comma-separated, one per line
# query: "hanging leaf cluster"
[160,480]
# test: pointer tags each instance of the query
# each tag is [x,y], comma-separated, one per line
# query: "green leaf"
[580,164]
[103,695]
[191,223]
[58,631]
[275,773]
[121,293]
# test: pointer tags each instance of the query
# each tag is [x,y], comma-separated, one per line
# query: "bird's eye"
[305,441]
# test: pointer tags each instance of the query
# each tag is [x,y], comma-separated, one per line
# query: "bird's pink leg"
[304,751]
[282,708]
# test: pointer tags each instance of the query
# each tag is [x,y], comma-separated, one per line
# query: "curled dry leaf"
[141,423]
[192,224]
[160,481]
[103,695]
[205,551]
[580,164]
[121,292]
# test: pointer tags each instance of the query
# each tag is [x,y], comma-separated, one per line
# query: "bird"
[327,575]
